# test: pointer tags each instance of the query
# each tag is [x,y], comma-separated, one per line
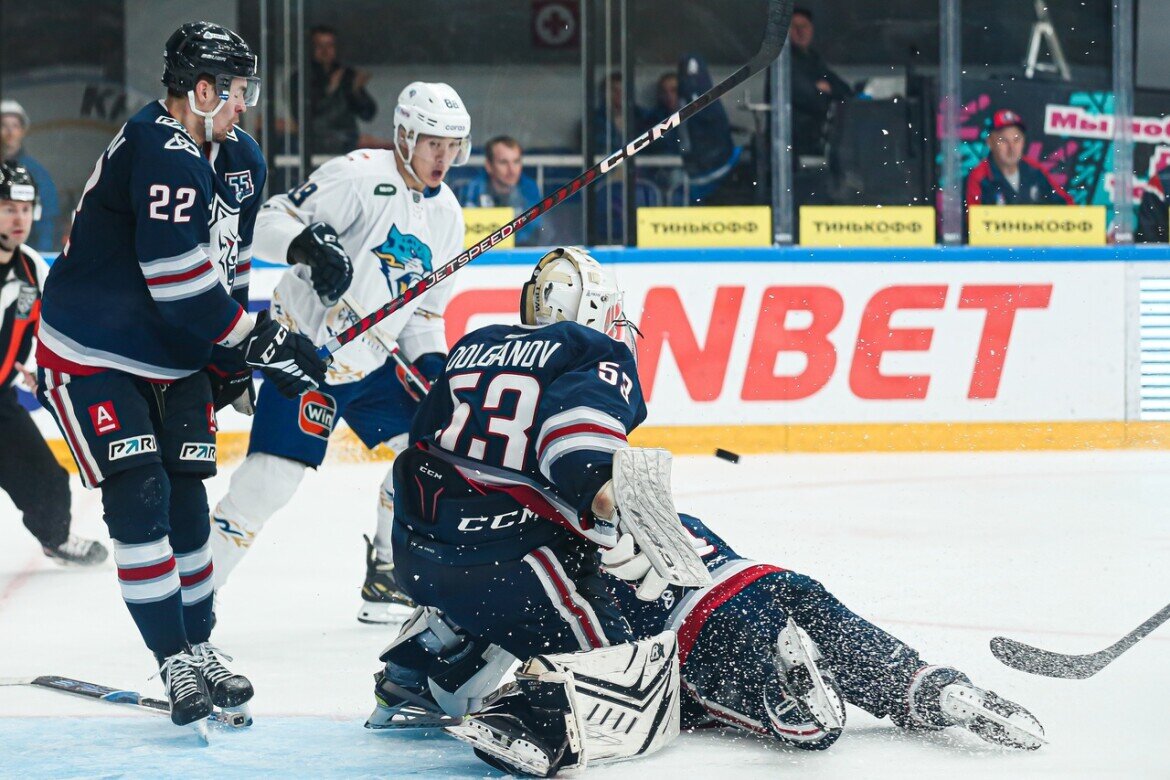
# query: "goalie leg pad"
[574,709]
[628,696]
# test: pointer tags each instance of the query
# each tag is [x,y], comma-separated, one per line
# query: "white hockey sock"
[262,485]
[382,542]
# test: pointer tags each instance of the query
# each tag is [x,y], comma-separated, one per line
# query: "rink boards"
[772,350]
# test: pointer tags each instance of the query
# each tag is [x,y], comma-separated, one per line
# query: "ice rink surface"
[1065,550]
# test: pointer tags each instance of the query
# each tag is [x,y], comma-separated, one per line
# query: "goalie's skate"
[512,735]
[400,707]
[382,600]
[940,696]
[813,689]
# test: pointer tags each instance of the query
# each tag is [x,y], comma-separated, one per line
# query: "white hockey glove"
[625,560]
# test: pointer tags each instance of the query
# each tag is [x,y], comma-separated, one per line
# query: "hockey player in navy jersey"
[762,649]
[738,641]
[145,334]
[391,212]
[501,506]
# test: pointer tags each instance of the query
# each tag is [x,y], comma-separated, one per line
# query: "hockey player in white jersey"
[388,213]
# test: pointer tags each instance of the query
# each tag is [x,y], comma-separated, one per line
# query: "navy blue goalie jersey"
[155,271]
[530,416]
[685,610]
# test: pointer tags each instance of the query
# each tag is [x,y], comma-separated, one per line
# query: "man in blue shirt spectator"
[13,127]
[502,183]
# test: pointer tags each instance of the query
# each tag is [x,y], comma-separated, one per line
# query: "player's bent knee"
[261,486]
[188,513]
[137,504]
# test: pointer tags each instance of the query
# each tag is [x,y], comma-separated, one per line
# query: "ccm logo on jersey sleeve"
[197,451]
[135,445]
[317,414]
[103,418]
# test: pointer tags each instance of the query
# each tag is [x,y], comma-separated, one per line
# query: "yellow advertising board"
[1037,226]
[480,223]
[705,226]
[867,225]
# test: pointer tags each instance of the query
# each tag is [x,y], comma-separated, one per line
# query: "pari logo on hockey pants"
[135,445]
[318,411]
[197,451]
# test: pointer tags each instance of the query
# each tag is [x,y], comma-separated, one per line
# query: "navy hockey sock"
[189,536]
[136,503]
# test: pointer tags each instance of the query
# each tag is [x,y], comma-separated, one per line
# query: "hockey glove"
[318,247]
[287,359]
[417,377]
[231,377]
[626,562]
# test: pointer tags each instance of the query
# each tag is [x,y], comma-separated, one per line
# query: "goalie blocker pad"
[645,508]
[617,702]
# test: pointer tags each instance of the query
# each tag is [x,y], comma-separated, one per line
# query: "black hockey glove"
[317,247]
[417,377]
[231,378]
[287,359]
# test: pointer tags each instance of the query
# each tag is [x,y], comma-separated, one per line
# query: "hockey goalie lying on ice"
[532,532]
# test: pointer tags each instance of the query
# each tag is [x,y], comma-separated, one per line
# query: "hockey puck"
[727,455]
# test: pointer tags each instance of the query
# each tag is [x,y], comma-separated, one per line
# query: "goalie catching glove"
[287,359]
[318,247]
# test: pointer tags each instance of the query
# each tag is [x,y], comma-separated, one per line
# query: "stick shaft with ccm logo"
[775,31]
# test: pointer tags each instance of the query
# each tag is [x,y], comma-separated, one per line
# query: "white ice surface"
[1067,551]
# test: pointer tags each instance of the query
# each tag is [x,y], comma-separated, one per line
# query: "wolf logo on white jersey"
[393,235]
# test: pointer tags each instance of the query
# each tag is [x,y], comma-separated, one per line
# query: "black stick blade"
[1044,662]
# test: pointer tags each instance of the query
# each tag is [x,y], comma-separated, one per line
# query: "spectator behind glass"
[337,97]
[815,87]
[707,150]
[609,126]
[1005,177]
[1154,214]
[502,183]
[13,127]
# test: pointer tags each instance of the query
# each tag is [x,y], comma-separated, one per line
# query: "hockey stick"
[410,374]
[118,696]
[1075,667]
[775,30]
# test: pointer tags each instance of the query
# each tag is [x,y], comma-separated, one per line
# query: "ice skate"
[405,707]
[187,693]
[811,693]
[940,696]
[76,551]
[382,600]
[515,737]
[228,690]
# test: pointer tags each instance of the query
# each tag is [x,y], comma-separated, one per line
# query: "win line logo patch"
[135,445]
[318,411]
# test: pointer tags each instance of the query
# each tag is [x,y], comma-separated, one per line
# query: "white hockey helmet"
[432,109]
[569,285]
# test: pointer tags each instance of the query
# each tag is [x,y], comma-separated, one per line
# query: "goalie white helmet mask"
[569,285]
[431,109]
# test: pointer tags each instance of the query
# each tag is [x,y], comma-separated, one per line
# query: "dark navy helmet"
[204,49]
